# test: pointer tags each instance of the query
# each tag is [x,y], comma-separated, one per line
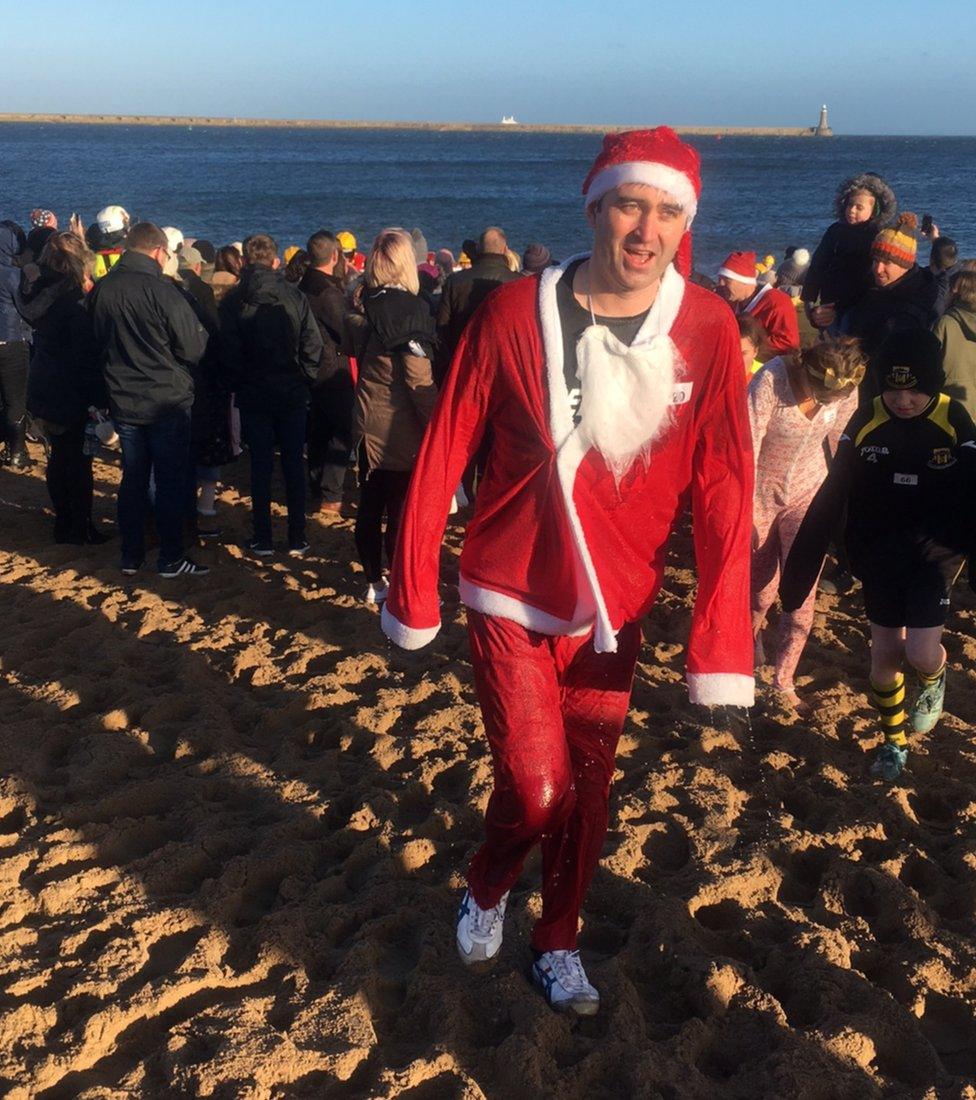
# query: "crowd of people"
[821,401]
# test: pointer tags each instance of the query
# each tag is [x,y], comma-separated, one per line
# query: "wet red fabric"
[553,710]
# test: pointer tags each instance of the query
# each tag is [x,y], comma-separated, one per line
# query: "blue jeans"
[162,447]
[263,429]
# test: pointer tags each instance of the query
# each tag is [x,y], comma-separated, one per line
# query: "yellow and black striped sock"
[890,701]
[927,681]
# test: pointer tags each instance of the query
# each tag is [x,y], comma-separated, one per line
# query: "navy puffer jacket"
[12,326]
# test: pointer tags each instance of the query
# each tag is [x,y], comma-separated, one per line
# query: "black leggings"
[14,360]
[69,482]
[382,492]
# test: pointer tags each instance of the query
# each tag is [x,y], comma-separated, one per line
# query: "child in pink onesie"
[798,406]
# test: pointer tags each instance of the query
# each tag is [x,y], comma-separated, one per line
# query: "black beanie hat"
[911,361]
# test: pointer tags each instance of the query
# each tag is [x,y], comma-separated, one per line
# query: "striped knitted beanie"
[897,244]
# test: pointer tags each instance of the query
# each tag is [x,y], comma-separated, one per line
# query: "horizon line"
[216,121]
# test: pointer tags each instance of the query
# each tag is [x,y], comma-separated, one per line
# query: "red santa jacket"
[776,312]
[554,543]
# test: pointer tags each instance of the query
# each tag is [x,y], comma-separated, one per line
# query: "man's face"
[636,232]
[734,290]
[886,272]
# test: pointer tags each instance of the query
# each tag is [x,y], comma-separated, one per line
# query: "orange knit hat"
[898,243]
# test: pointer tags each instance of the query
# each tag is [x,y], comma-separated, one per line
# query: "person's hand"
[75,226]
[932,233]
[824,315]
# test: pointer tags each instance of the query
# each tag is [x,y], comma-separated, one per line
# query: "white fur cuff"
[721,689]
[406,637]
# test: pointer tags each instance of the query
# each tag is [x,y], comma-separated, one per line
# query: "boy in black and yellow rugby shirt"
[906,470]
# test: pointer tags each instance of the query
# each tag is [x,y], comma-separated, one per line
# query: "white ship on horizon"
[509,120]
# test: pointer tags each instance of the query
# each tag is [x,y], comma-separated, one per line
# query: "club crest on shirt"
[941,459]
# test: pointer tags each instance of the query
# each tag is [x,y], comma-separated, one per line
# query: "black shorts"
[916,597]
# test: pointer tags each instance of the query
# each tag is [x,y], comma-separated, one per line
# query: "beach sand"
[233,823]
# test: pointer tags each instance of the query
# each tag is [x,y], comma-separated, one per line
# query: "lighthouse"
[823,126]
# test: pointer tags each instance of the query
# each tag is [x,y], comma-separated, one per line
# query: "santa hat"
[740,266]
[657,158]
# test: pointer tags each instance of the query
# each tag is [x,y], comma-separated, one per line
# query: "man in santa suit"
[773,309]
[615,394]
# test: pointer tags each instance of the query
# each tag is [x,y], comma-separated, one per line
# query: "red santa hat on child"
[657,158]
[740,266]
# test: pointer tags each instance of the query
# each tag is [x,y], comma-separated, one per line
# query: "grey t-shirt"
[573,319]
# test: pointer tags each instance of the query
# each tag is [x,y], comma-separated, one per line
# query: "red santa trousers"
[553,710]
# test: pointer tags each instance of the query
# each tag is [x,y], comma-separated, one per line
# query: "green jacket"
[956,330]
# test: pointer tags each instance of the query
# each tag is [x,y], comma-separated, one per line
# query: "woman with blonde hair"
[798,408]
[65,377]
[393,342]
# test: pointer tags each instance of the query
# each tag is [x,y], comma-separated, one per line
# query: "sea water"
[223,183]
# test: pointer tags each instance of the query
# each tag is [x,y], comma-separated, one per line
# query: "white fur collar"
[657,323]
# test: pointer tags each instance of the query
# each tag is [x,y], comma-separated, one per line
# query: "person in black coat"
[465,290]
[65,377]
[839,273]
[14,352]
[902,299]
[333,392]
[150,339]
[210,442]
[271,350]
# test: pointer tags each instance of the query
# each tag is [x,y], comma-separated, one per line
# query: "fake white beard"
[626,394]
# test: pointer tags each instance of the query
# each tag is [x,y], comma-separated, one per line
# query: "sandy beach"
[233,822]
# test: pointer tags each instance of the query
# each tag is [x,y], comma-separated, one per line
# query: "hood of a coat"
[887,206]
[965,319]
[260,286]
[397,317]
[10,246]
[40,290]
[317,282]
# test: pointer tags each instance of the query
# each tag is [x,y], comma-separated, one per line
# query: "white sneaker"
[563,980]
[479,931]
[377,593]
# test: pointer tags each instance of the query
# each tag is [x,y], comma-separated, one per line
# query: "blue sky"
[895,67]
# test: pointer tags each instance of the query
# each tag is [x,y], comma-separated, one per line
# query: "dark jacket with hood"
[13,328]
[463,292]
[210,440]
[956,330]
[394,344]
[907,304]
[840,268]
[149,339]
[327,300]
[943,282]
[270,342]
[65,370]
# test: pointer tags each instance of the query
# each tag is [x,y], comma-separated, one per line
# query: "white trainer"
[563,981]
[479,931]
[377,591]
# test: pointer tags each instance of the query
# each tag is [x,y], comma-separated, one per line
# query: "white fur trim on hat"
[651,174]
[738,276]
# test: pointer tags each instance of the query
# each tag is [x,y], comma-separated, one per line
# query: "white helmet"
[174,238]
[112,219]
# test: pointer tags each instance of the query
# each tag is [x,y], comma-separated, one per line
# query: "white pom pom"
[801,257]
